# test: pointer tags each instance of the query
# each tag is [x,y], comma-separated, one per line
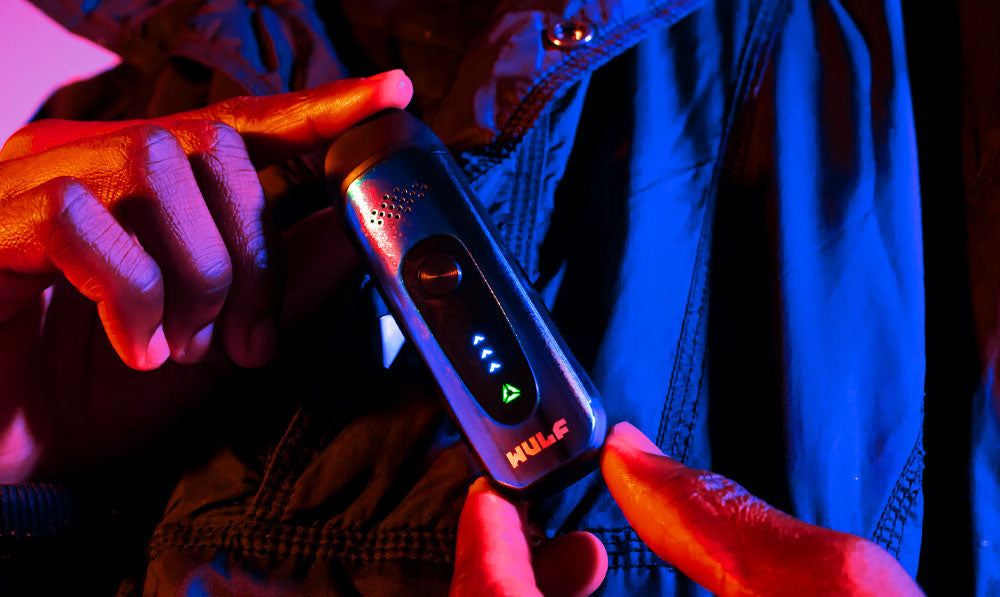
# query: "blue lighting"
[494,365]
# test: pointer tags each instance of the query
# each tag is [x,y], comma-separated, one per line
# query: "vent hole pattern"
[397,202]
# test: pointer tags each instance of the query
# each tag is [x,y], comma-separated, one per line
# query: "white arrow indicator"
[486,352]
[477,339]
[494,366]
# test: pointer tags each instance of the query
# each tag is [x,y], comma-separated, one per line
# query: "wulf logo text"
[536,443]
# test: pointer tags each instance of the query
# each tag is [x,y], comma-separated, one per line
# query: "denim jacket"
[719,201]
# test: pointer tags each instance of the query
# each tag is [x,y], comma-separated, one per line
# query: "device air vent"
[397,203]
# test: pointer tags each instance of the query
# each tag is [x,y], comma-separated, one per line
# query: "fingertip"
[631,464]
[156,353]
[394,88]
[574,564]
[197,347]
[482,502]
[626,436]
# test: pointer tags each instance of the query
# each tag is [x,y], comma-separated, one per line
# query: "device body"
[526,408]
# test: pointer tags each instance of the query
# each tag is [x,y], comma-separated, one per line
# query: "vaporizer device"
[526,408]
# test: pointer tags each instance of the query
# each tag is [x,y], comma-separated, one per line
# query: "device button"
[439,275]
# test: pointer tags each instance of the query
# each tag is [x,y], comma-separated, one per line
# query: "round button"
[439,275]
[570,34]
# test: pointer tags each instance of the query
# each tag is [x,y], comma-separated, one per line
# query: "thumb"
[493,558]
[731,542]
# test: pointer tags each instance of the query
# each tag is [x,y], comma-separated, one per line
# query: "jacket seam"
[681,412]
[626,549]
[586,59]
[525,197]
[280,467]
[279,540]
[889,530]
[476,163]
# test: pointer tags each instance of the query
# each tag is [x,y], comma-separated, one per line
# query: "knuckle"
[213,279]
[223,149]
[259,257]
[211,137]
[147,134]
[68,200]
[221,136]
[234,108]
[19,143]
[66,189]
[144,278]
[151,144]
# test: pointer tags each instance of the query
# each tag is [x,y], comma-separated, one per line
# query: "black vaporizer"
[526,408]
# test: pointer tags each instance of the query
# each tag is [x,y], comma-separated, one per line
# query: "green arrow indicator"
[510,393]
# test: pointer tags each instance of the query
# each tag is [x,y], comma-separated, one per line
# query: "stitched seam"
[526,197]
[279,468]
[587,58]
[541,158]
[302,452]
[477,163]
[889,530]
[291,541]
[738,142]
[520,191]
[626,550]
[690,344]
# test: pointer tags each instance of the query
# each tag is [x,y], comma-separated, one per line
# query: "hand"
[731,542]
[162,224]
[493,557]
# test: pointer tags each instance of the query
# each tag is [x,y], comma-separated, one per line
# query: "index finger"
[274,127]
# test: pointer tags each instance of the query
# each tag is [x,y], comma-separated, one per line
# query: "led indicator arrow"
[477,339]
[494,366]
[486,352]
[510,393]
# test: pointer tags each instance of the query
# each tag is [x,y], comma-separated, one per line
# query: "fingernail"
[197,347]
[480,485]
[401,93]
[262,341]
[387,74]
[627,434]
[157,351]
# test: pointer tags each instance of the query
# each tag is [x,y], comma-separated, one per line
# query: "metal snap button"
[569,34]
